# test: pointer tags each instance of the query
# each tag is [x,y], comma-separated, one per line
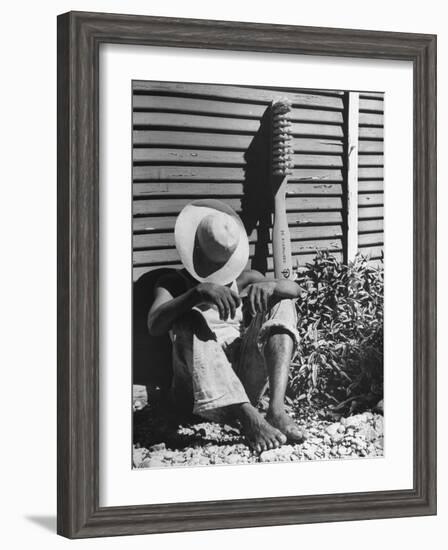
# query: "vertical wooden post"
[352,174]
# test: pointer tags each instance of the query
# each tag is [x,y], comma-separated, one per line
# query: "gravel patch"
[205,443]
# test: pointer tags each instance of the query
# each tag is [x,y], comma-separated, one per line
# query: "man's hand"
[225,299]
[259,296]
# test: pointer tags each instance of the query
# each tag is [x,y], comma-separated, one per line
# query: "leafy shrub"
[340,324]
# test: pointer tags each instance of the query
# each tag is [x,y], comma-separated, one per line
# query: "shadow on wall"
[151,355]
[257,195]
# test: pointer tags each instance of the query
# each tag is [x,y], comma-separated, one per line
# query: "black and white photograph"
[257,246]
[221,312]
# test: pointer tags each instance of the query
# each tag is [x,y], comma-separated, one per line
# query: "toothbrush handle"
[281,238]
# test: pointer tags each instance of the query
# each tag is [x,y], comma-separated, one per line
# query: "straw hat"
[211,241]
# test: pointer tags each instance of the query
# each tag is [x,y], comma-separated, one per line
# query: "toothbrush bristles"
[282,152]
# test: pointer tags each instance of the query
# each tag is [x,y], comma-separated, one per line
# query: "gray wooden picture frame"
[79,38]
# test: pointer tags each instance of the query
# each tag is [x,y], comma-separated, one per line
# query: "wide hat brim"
[185,236]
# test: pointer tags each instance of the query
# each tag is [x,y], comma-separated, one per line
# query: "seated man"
[222,365]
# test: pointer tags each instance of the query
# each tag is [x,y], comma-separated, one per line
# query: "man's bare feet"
[284,423]
[260,435]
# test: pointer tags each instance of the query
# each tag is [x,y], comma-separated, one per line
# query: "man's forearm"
[285,289]
[162,319]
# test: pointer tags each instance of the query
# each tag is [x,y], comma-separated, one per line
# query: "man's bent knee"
[193,322]
[283,333]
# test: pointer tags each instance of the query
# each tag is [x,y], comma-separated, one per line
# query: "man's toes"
[253,445]
[281,437]
[296,434]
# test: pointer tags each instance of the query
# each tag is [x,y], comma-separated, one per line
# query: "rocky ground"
[159,442]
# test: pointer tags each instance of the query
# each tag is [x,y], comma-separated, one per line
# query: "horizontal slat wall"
[192,141]
[370,175]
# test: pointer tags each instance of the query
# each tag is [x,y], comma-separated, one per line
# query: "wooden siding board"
[317,145]
[211,173]
[370,199]
[370,173]
[143,120]
[371,119]
[370,212]
[370,239]
[224,189]
[367,186]
[368,146]
[166,138]
[367,132]
[240,93]
[137,272]
[226,142]
[370,160]
[166,223]
[297,248]
[369,95]
[151,103]
[375,225]
[166,240]
[156,155]
[299,262]
[297,259]
[173,206]
[371,105]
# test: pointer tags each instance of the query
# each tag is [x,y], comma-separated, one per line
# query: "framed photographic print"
[246,274]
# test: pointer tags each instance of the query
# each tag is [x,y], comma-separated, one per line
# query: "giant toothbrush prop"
[281,169]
